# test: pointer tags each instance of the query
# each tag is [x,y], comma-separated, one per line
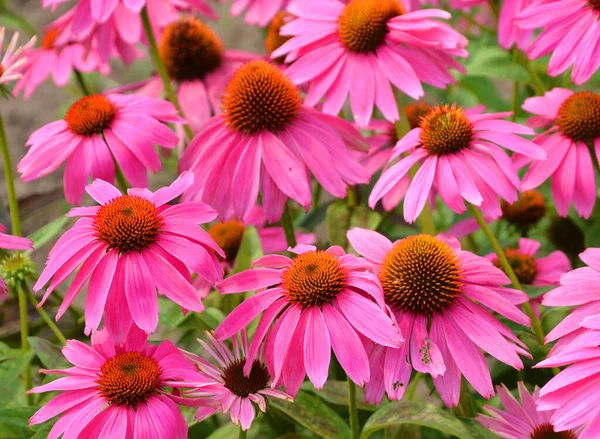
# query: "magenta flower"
[364,47]
[509,34]
[569,33]
[117,388]
[259,12]
[432,287]
[461,158]
[130,246]
[13,61]
[234,392]
[9,242]
[266,138]
[521,420]
[573,121]
[323,300]
[97,131]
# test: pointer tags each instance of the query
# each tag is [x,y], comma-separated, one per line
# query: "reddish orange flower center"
[91,115]
[526,211]
[260,97]
[421,274]
[579,116]
[128,223]
[523,265]
[228,236]
[274,38]
[49,38]
[416,112]
[595,5]
[314,278]
[129,379]
[445,130]
[235,380]
[362,25]
[190,50]
[546,431]
[1,70]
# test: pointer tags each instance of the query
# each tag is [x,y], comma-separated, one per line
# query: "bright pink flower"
[573,121]
[97,131]
[259,12]
[414,5]
[461,158]
[509,33]
[570,32]
[323,300]
[229,235]
[9,242]
[363,48]
[117,388]
[58,56]
[13,61]
[520,420]
[234,392]
[432,287]
[130,246]
[266,138]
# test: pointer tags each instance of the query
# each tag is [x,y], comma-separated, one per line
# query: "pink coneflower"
[267,138]
[461,158]
[569,32]
[509,33]
[236,392]
[323,300]
[117,388]
[521,420]
[9,242]
[229,235]
[364,47]
[573,122]
[432,287]
[97,131]
[58,59]
[259,12]
[131,245]
[13,61]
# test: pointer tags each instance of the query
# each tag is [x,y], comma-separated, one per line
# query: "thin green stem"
[412,387]
[121,180]
[353,410]
[82,85]
[316,196]
[13,203]
[45,317]
[24,343]
[515,103]
[243,433]
[162,71]
[288,226]
[494,8]
[352,197]
[538,85]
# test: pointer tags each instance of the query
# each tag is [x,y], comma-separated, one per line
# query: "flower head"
[131,245]
[13,59]
[274,39]
[461,158]
[96,131]
[118,387]
[521,420]
[322,299]
[572,120]
[509,33]
[363,47]
[237,388]
[432,287]
[267,138]
[9,242]
[259,12]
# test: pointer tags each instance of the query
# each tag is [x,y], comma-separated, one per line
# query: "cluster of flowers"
[250,128]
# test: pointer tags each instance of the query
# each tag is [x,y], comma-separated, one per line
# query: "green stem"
[121,180]
[538,85]
[45,317]
[515,106]
[494,8]
[412,387]
[24,343]
[288,226]
[352,409]
[162,71]
[243,433]
[13,203]
[316,196]
[352,197]
[82,85]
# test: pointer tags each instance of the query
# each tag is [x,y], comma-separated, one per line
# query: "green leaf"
[12,389]
[336,392]
[478,431]
[249,251]
[14,421]
[592,236]
[14,21]
[44,429]
[338,221]
[415,413]
[365,218]
[48,232]
[493,62]
[49,354]
[225,432]
[313,414]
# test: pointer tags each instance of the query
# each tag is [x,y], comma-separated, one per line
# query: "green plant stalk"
[353,410]
[24,343]
[412,387]
[120,178]
[13,203]
[288,226]
[82,85]
[45,317]
[162,71]
[243,433]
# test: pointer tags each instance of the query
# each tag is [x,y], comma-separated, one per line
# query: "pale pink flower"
[9,242]
[509,34]
[438,294]
[520,420]
[259,12]
[267,138]
[570,33]
[96,132]
[364,47]
[234,392]
[572,120]
[322,300]
[13,59]
[461,158]
[117,388]
[130,246]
